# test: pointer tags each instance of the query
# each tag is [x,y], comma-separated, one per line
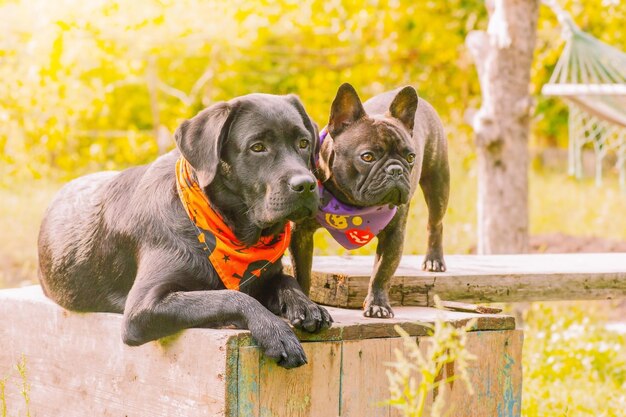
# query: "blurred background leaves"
[103,84]
[93,85]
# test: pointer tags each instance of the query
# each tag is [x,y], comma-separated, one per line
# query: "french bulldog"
[371,159]
[166,243]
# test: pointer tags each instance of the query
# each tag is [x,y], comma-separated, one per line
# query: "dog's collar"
[235,263]
[351,226]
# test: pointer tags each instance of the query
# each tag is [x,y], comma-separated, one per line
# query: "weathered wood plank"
[364,383]
[351,325]
[496,377]
[248,383]
[342,281]
[77,365]
[470,308]
[311,390]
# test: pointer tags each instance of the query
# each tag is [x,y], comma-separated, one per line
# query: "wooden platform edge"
[495,285]
[211,364]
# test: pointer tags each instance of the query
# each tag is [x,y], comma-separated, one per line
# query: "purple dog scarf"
[352,227]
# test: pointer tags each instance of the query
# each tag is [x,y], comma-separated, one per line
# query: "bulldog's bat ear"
[345,110]
[403,107]
[200,139]
[309,124]
[325,164]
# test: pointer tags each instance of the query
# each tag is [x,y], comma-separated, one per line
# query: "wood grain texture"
[77,365]
[248,384]
[342,281]
[364,381]
[311,390]
[351,325]
[470,308]
[496,377]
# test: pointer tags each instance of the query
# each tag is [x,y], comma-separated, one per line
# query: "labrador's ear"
[309,124]
[403,107]
[200,139]
[345,110]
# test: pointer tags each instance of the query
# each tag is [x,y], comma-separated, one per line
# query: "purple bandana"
[352,227]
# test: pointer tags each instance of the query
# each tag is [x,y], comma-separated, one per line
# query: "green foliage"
[3,400]
[562,204]
[418,369]
[25,385]
[572,365]
[89,82]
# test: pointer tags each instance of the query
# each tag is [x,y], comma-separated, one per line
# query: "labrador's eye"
[410,158]
[367,156]
[258,147]
[304,143]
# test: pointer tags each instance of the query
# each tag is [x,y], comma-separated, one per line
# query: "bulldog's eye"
[410,158]
[304,143]
[367,156]
[258,147]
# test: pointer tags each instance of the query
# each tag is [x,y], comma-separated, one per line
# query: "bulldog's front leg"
[388,255]
[435,184]
[283,296]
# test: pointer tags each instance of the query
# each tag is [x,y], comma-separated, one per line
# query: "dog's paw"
[304,314]
[434,264]
[377,307]
[278,342]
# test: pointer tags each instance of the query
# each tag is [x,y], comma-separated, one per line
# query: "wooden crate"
[76,365]
[342,281]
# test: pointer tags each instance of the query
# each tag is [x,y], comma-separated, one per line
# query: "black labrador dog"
[125,242]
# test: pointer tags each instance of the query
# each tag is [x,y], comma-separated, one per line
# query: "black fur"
[122,242]
[408,147]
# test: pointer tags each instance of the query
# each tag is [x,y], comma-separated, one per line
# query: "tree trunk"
[503,57]
[161,134]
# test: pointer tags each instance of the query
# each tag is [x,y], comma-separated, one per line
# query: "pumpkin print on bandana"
[352,227]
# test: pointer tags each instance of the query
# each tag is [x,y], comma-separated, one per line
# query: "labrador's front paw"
[278,341]
[303,313]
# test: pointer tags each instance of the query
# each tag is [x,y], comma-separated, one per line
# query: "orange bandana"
[234,262]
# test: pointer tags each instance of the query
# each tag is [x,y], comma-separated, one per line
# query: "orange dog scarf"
[235,263]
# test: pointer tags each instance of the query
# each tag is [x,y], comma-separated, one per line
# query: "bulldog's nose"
[302,183]
[394,170]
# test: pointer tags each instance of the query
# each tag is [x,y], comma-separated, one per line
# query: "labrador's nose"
[302,183]
[394,170]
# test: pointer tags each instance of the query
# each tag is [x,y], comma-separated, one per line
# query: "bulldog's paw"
[304,314]
[377,307]
[278,341]
[434,264]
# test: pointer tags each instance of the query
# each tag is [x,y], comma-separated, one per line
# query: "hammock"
[591,76]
